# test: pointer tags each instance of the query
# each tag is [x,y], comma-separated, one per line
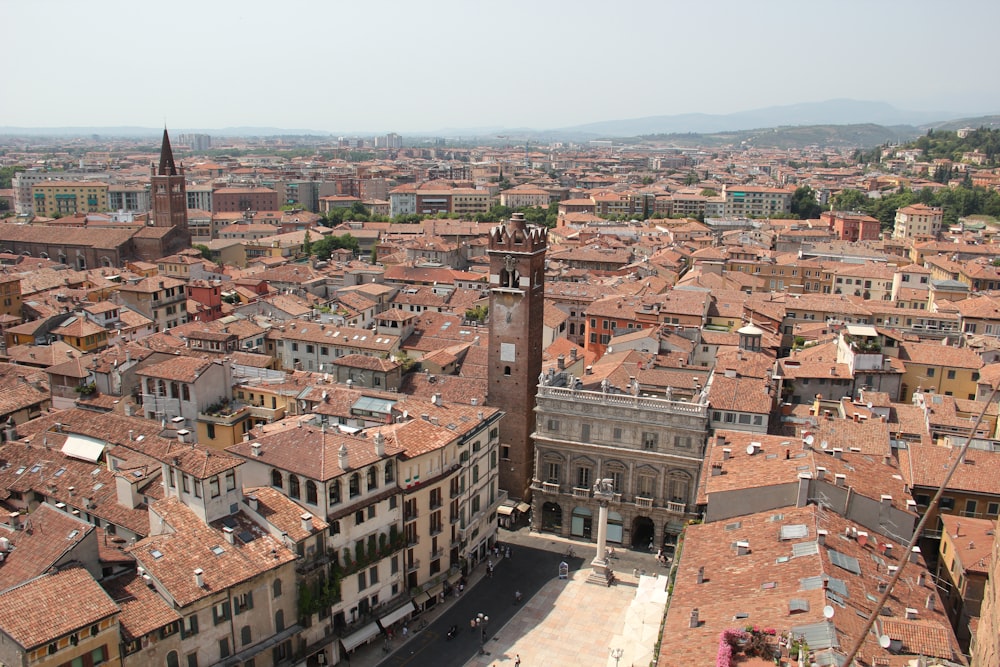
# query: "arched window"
[172,659]
[279,620]
[355,485]
[276,589]
[335,492]
[175,391]
[311,492]
[185,392]
[293,487]
[277,480]
[161,388]
[372,478]
[389,474]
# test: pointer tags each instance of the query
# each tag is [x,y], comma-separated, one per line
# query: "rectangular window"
[224,648]
[951,375]
[230,480]
[220,612]
[683,441]
[992,509]
[553,473]
[583,477]
[650,440]
[930,372]
[185,484]
[361,581]
[744,419]
[970,508]
[553,425]
[616,434]
[213,487]
[585,433]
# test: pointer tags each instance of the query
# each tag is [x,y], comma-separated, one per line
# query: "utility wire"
[917,531]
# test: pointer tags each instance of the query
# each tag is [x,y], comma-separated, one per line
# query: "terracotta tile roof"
[142,609]
[742,394]
[180,369]
[283,513]
[926,638]
[926,465]
[191,544]
[779,583]
[47,537]
[53,605]
[313,452]
[932,354]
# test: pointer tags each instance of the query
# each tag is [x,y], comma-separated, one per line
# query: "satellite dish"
[810,439]
[827,611]
[751,449]
[824,444]
[884,641]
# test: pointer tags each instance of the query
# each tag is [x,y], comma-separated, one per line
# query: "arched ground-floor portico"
[628,525]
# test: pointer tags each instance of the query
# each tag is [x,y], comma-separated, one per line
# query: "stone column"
[600,568]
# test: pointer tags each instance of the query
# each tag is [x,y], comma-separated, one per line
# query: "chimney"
[181,434]
[742,548]
[694,623]
[915,555]
[841,479]
[701,575]
[726,453]
[131,434]
[246,437]
[252,502]
[436,399]
[803,496]
[887,459]
[838,452]
[307,522]
[886,500]
[228,532]
[15,520]
[255,449]
[821,536]
[379,444]
[11,430]
[820,473]
[199,580]
[342,457]
[930,604]
[561,362]
[572,354]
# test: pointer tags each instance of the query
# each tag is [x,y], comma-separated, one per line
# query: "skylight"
[218,551]
[156,553]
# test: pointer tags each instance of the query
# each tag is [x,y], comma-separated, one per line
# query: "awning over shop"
[453,579]
[356,639]
[420,598]
[434,591]
[82,447]
[396,615]
[523,507]
[505,510]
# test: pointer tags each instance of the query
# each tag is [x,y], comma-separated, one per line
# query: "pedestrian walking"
[508,553]
[517,661]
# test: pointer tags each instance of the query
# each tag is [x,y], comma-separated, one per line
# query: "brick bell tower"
[517,285]
[169,192]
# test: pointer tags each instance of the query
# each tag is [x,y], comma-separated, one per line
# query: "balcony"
[581,492]
[643,503]
[436,529]
[616,498]
[413,565]
[410,515]
[680,508]
[550,487]
[437,554]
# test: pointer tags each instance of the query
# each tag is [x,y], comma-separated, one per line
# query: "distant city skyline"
[393,66]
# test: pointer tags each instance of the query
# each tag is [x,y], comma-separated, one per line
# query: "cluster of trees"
[323,248]
[949,146]
[955,203]
[497,213]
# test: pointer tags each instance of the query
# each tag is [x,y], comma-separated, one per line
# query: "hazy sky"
[378,66]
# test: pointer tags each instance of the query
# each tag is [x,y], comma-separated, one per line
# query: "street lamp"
[480,621]
[617,654]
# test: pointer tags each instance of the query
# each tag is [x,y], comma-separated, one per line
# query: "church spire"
[167,167]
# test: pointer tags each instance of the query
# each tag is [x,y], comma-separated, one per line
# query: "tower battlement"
[515,235]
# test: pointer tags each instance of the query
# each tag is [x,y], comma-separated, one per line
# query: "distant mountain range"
[840,121]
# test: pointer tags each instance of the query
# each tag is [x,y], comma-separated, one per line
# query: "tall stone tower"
[517,285]
[169,191]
